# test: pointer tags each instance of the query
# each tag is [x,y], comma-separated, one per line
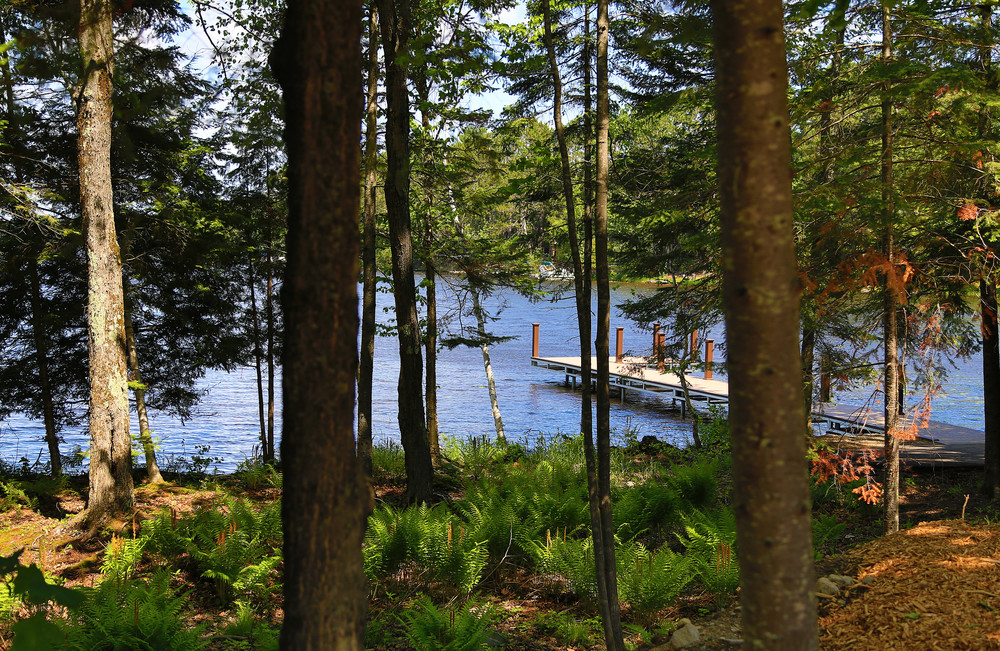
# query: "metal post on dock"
[709,354]
[619,344]
[534,339]
[661,346]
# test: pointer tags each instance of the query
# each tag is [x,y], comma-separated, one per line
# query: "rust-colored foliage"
[844,466]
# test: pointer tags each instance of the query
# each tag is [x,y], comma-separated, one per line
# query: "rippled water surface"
[533,401]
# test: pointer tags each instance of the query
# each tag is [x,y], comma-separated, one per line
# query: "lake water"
[533,401]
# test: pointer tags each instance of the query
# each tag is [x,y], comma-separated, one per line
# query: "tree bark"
[612,626]
[367,373]
[145,436]
[761,301]
[111,490]
[890,480]
[991,387]
[394,23]
[324,501]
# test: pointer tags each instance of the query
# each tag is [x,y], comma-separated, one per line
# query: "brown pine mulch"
[935,586]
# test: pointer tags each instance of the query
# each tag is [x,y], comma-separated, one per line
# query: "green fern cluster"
[696,483]
[122,557]
[233,544]
[466,628]
[571,560]
[648,581]
[132,615]
[710,543]
[516,509]
[644,508]
[248,632]
[433,538]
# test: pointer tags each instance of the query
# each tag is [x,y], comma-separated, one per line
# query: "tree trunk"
[761,301]
[39,335]
[270,350]
[582,289]
[991,387]
[890,481]
[394,22]
[613,625]
[367,373]
[430,338]
[111,491]
[145,435]
[324,499]
[258,362]
[494,402]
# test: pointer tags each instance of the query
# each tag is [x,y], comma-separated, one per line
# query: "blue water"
[533,401]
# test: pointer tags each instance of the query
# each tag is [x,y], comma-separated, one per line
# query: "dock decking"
[938,442]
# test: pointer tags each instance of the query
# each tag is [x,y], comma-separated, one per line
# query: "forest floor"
[933,585]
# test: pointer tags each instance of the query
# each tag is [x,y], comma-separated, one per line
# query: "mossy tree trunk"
[761,301]
[111,490]
[317,61]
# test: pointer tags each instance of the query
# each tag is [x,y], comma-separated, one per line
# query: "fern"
[572,560]
[430,629]
[696,483]
[133,615]
[434,539]
[649,581]
[237,547]
[122,557]
[710,541]
[646,507]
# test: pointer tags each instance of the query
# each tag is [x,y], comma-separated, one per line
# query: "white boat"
[548,271]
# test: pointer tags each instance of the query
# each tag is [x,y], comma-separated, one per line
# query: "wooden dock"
[937,442]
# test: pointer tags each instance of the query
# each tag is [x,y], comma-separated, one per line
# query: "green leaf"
[31,583]
[35,633]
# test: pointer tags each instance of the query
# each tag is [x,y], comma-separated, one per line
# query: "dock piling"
[824,379]
[534,339]
[661,346]
[619,344]
[709,354]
